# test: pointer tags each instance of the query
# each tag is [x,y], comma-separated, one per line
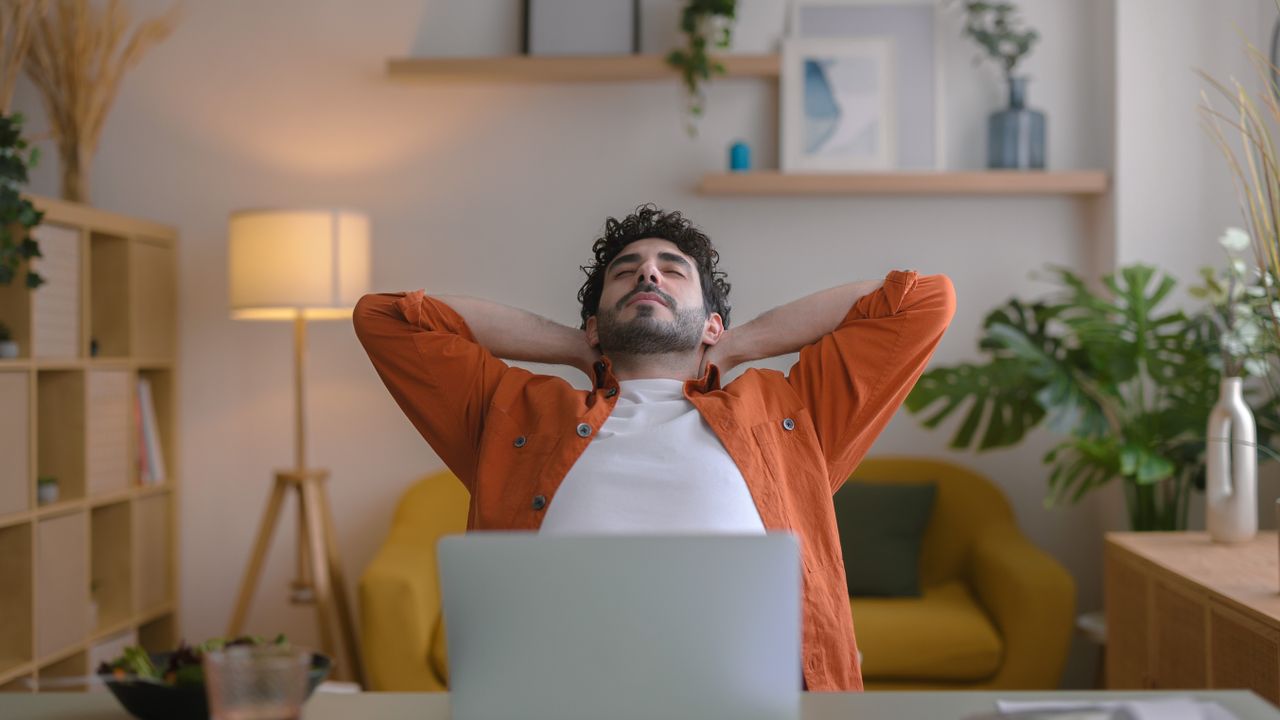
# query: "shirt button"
[539,502]
[611,392]
[584,430]
[788,424]
[520,442]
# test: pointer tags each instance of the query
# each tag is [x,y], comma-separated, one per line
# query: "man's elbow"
[936,301]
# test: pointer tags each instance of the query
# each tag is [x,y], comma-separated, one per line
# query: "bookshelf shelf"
[79,582]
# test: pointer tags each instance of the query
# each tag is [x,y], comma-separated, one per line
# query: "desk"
[815,706]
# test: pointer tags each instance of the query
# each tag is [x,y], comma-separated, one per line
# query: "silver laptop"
[622,628]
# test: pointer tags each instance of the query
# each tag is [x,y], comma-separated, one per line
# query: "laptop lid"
[625,628]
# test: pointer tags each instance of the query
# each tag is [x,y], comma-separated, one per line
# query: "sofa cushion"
[438,656]
[881,526]
[943,635]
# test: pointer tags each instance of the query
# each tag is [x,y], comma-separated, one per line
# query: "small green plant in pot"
[706,24]
[46,490]
[1128,383]
[8,348]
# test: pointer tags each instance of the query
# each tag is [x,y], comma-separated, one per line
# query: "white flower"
[1256,367]
[1234,239]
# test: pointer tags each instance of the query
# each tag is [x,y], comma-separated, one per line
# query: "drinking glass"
[262,682]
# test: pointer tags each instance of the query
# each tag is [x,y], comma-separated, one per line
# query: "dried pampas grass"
[17,24]
[77,59]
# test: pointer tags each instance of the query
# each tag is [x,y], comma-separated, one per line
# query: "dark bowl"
[156,701]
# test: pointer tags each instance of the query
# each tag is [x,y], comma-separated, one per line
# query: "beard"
[646,334]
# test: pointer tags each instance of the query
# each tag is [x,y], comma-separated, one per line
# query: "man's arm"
[788,328]
[853,377]
[514,334]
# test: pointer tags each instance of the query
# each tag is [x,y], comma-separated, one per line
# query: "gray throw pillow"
[881,525]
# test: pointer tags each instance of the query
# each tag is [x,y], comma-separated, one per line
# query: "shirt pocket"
[512,459]
[793,459]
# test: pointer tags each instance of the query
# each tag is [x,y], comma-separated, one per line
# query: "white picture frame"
[916,27]
[837,105]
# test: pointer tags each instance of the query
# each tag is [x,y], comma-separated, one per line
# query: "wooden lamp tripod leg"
[260,546]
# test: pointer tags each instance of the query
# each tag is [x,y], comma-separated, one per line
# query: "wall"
[498,192]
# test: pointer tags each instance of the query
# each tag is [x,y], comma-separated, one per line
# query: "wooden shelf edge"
[62,507]
[153,614]
[566,68]
[62,654]
[64,212]
[107,631]
[980,182]
[21,517]
[14,672]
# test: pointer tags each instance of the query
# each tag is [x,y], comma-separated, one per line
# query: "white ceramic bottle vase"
[1231,482]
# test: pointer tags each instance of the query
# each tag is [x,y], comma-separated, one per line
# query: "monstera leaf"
[1128,384]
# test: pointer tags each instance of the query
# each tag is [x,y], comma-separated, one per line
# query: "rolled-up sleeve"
[853,379]
[435,370]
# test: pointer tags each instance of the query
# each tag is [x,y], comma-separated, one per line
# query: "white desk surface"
[815,706]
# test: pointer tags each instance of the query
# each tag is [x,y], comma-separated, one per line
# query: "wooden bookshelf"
[987,182]
[569,68]
[96,570]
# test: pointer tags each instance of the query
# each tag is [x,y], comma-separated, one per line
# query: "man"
[657,444]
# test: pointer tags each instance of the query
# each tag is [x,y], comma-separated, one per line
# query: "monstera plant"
[1127,382]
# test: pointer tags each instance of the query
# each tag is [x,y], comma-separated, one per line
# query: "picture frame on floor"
[915,27]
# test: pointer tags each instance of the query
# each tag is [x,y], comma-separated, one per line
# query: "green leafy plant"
[704,23]
[1129,384]
[997,29]
[1242,313]
[17,215]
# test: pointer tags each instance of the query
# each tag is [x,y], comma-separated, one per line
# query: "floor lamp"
[301,265]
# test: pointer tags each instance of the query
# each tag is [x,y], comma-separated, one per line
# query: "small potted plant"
[705,23]
[8,346]
[46,490]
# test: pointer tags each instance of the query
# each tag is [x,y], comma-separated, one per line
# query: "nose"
[648,273]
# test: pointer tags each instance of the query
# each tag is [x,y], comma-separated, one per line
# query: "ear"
[713,330]
[593,336]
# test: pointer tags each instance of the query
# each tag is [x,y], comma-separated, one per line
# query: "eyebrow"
[663,255]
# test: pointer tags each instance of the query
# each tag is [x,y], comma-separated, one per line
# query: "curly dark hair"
[650,222]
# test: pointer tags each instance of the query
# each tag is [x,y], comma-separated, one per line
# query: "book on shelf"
[150,454]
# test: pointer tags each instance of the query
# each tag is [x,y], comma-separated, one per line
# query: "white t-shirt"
[655,466]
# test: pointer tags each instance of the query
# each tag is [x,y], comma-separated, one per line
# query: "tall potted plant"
[1015,135]
[1127,383]
[18,216]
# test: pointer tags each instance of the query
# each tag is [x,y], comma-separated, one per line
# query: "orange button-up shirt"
[511,436]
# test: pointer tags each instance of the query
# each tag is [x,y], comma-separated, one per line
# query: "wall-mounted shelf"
[988,182]
[570,68]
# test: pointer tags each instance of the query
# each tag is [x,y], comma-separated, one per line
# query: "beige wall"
[498,192]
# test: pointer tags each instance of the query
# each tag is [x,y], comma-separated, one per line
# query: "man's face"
[651,302]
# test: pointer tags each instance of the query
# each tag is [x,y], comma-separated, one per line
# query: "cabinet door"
[1244,653]
[1179,636]
[1125,599]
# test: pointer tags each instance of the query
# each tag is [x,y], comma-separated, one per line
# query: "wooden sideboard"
[1184,612]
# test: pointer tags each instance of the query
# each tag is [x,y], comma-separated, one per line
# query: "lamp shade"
[290,263]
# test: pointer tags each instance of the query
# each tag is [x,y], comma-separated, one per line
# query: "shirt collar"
[710,380]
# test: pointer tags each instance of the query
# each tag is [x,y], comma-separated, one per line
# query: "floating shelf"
[566,68]
[989,182]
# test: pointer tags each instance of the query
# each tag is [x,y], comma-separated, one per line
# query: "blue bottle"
[1015,135]
[739,157]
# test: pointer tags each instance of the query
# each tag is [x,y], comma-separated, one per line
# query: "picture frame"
[580,27]
[916,29]
[837,105]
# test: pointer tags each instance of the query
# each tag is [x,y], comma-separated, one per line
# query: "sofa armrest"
[399,609]
[1031,598]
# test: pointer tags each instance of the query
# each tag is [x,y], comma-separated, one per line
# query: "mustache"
[646,288]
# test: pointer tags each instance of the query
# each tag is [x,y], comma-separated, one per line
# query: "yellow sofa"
[996,612]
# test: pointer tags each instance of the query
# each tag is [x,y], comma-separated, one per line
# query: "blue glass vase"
[1015,135]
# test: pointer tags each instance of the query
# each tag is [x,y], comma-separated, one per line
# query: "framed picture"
[581,27]
[838,105]
[914,27]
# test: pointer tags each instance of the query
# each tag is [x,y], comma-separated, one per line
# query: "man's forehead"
[649,247]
